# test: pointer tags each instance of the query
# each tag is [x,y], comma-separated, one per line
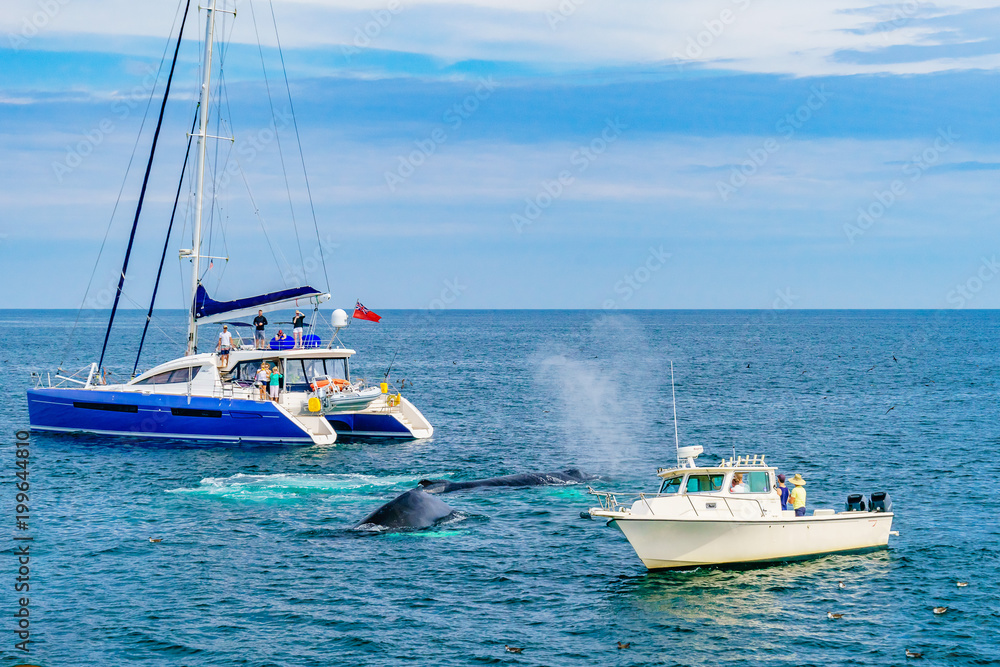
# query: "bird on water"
[513,649]
[940,610]
[913,654]
[621,645]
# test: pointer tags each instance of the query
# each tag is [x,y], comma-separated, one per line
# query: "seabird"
[156,539]
[961,584]
[620,645]
[890,409]
[841,585]
[940,610]
[513,649]
[895,359]
[748,365]
[913,654]
[833,617]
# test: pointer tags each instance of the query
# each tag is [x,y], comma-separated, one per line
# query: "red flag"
[362,313]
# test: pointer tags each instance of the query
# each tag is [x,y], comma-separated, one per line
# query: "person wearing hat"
[297,328]
[225,342]
[798,495]
[783,492]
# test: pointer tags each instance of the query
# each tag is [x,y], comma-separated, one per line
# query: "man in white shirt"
[225,342]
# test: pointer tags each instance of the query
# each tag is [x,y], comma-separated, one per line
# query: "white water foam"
[287,486]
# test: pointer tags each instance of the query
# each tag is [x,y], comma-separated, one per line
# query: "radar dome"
[339,318]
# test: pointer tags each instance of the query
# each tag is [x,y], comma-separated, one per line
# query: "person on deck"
[258,335]
[798,495]
[280,336]
[274,380]
[783,493]
[297,328]
[225,343]
[262,379]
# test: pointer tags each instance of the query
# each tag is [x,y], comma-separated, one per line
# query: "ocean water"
[258,564]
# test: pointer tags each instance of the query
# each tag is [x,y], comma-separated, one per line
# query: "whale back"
[413,509]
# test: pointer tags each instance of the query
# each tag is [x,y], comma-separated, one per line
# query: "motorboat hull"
[687,543]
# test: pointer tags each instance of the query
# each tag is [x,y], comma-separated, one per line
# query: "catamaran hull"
[671,544]
[136,414]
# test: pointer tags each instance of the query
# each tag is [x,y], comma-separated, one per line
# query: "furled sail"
[207,310]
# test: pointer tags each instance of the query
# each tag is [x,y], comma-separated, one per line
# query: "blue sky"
[567,154]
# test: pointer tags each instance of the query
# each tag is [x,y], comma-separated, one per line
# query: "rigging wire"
[121,190]
[298,139]
[260,219]
[142,192]
[277,135]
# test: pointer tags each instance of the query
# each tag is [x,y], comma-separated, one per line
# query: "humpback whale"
[413,509]
[420,508]
[568,476]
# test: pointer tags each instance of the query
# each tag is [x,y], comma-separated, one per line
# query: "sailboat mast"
[199,183]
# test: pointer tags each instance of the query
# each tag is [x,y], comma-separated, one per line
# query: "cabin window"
[178,376]
[334,368]
[704,483]
[756,481]
[295,376]
[671,485]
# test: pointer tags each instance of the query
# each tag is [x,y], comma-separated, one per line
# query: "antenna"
[673,397]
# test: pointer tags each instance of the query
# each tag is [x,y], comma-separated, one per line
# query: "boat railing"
[607,499]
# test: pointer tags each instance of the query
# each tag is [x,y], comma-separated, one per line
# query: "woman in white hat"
[798,495]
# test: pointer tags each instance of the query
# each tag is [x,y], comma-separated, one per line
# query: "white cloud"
[747,35]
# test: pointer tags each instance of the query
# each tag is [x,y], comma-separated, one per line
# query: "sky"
[511,154]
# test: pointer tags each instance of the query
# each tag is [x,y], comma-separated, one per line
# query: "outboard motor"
[855,502]
[880,502]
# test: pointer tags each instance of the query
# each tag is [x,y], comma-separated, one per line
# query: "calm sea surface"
[259,565]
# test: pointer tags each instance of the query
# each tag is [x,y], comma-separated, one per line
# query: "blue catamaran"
[205,396]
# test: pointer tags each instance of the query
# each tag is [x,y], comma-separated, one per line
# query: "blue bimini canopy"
[207,311]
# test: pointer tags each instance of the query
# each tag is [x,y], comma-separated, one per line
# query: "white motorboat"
[697,518]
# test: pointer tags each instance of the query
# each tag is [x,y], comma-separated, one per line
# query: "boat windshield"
[671,484]
[299,373]
[704,483]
